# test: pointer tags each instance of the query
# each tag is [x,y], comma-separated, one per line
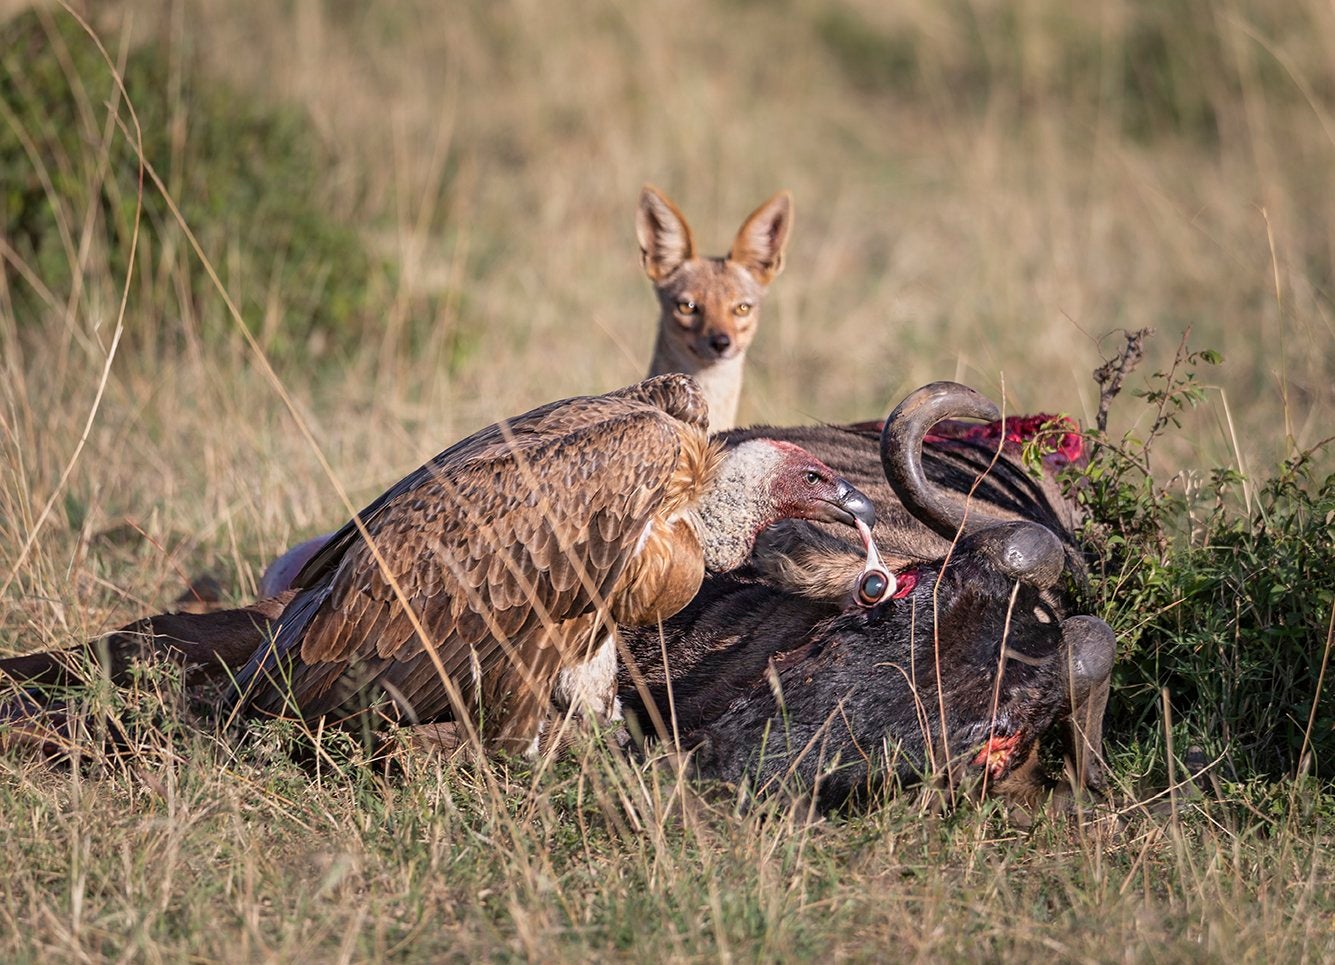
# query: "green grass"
[982,193]
[237,167]
[1221,594]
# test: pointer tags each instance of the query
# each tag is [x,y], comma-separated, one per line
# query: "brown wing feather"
[663,578]
[495,544]
[678,396]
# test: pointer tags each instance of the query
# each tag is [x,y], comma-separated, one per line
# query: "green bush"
[1225,606]
[246,175]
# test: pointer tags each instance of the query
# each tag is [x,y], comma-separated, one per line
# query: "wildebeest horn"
[1091,649]
[1024,551]
[901,453]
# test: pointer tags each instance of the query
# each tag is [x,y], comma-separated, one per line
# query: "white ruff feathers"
[739,504]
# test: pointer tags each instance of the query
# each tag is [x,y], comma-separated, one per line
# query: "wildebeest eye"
[872,588]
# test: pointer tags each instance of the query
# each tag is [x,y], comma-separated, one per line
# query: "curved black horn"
[901,452]
[1091,649]
[1024,551]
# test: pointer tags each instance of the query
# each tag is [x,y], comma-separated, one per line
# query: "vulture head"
[763,481]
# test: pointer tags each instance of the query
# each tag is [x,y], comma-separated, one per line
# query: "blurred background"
[425,214]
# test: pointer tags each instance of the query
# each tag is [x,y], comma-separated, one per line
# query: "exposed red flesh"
[996,753]
[1060,444]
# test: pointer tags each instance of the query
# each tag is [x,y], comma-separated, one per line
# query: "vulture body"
[494,574]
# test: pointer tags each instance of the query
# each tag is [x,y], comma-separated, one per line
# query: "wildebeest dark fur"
[796,695]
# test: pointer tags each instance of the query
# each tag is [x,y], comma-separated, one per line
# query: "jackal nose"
[719,342]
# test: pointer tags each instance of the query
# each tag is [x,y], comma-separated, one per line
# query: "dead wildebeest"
[978,654]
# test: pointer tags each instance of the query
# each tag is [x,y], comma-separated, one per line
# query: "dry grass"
[976,215]
[215,858]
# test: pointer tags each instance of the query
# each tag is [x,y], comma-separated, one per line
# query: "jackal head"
[709,306]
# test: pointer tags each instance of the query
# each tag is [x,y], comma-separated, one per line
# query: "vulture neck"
[737,505]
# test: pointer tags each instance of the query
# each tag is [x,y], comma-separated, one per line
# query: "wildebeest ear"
[664,236]
[759,244]
[811,563]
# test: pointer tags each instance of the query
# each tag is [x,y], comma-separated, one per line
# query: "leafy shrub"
[1227,607]
[245,175]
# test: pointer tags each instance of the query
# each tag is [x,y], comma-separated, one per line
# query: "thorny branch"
[1112,373]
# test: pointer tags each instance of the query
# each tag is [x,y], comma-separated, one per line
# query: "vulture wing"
[496,544]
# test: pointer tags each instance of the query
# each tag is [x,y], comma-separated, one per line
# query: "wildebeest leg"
[206,645]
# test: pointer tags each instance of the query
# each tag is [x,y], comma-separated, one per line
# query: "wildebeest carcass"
[979,653]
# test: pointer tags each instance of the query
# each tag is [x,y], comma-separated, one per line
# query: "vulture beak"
[849,506]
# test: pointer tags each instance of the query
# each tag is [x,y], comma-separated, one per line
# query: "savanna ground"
[423,213]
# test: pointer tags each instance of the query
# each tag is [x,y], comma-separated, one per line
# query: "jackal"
[709,306]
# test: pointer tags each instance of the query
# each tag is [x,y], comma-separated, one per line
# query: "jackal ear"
[665,237]
[758,246]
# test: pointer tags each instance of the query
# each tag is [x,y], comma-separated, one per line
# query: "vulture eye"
[813,477]
[685,307]
[873,587]
[743,309]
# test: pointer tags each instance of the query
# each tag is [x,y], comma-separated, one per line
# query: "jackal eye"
[685,307]
[742,309]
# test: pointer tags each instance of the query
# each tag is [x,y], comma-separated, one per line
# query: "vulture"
[483,588]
